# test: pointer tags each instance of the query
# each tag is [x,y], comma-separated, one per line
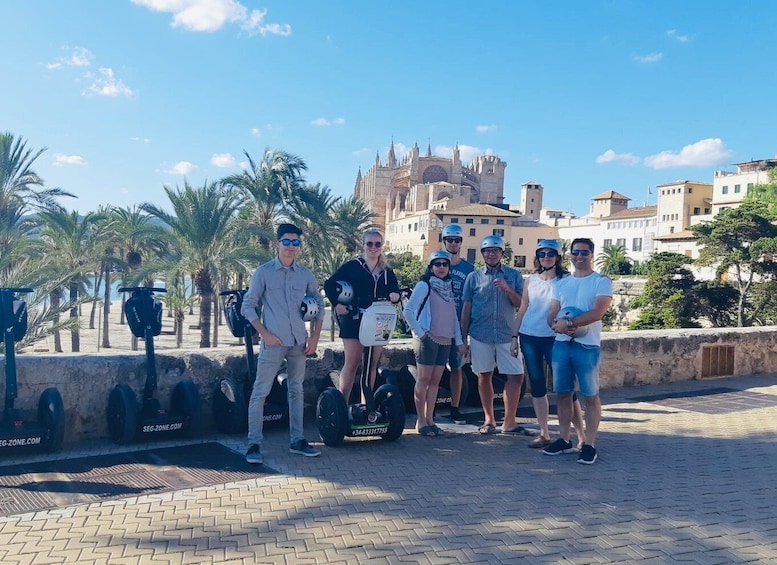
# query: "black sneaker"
[558,447]
[456,417]
[587,455]
[254,455]
[302,447]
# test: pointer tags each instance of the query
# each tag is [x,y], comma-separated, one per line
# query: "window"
[749,187]
[607,242]
[520,241]
[469,221]
[415,226]
[696,211]
[500,222]
[500,233]
[454,220]
[483,220]
[636,244]
[725,190]
[472,232]
[690,190]
[471,255]
[519,261]
[706,210]
[620,241]
[737,188]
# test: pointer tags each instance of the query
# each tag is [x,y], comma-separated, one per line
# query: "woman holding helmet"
[368,279]
[537,338]
[431,315]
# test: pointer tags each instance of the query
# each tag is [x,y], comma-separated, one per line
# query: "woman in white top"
[536,337]
[431,315]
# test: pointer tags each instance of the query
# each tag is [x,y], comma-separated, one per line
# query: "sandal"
[518,431]
[426,431]
[437,430]
[539,442]
[487,429]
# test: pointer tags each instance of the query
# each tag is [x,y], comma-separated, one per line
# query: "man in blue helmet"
[452,239]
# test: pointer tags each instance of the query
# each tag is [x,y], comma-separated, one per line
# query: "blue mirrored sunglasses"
[583,252]
[286,242]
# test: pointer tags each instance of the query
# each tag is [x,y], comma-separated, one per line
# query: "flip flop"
[518,431]
[426,431]
[487,429]
[437,430]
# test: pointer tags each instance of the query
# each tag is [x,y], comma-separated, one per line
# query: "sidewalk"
[671,484]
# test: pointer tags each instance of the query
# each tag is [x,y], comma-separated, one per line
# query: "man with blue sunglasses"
[576,355]
[272,305]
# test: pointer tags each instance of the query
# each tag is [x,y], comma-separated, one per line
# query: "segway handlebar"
[228,292]
[17,290]
[141,288]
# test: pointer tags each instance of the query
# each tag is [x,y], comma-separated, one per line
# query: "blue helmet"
[549,244]
[569,312]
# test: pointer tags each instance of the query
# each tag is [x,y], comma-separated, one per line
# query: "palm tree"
[269,189]
[351,218]
[202,232]
[614,260]
[71,241]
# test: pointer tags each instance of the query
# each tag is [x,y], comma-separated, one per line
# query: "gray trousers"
[270,360]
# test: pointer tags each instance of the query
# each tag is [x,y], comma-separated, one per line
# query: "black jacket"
[365,288]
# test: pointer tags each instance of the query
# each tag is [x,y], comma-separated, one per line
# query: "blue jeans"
[572,360]
[270,360]
[537,352]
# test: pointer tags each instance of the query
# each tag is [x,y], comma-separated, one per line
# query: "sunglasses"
[440,264]
[490,250]
[286,242]
[583,252]
[543,254]
[374,244]
[452,240]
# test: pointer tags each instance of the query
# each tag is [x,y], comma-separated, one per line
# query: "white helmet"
[344,292]
[492,241]
[440,254]
[309,308]
[452,230]
[570,312]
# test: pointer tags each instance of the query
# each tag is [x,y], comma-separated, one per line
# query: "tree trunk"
[56,295]
[106,338]
[217,320]
[75,336]
[206,300]
[179,318]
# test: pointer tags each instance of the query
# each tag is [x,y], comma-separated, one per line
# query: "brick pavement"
[669,485]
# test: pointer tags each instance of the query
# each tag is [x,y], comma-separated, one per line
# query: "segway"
[232,395]
[48,431]
[383,413]
[128,421]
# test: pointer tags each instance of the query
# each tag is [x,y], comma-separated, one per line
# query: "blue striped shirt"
[492,318]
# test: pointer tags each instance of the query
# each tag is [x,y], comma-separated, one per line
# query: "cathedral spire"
[392,159]
[429,149]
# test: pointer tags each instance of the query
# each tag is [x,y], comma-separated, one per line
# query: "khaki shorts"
[486,356]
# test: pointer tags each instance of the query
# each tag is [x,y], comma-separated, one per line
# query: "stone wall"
[628,358]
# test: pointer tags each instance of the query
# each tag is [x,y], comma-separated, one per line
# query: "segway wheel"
[332,417]
[51,415]
[279,397]
[122,414]
[388,400]
[185,401]
[229,406]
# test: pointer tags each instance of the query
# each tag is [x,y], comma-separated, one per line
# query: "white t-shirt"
[535,319]
[581,292]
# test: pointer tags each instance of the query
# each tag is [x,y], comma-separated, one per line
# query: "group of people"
[455,310]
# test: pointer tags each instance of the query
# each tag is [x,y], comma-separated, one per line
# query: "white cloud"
[80,57]
[485,129]
[107,84]
[650,58]
[466,152]
[212,15]
[181,168]
[324,122]
[256,132]
[611,156]
[704,153]
[60,159]
[674,35]
[140,139]
[362,151]
[223,160]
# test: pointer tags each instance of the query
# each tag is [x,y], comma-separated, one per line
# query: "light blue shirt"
[492,318]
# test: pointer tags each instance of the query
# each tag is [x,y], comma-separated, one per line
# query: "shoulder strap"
[428,292]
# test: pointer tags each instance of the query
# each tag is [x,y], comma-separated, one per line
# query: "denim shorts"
[537,353]
[430,353]
[575,361]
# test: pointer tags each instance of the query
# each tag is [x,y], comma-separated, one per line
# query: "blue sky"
[582,97]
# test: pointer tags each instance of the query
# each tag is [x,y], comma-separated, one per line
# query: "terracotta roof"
[636,212]
[685,234]
[479,210]
[609,195]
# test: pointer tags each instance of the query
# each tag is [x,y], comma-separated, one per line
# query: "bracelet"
[515,337]
[569,322]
